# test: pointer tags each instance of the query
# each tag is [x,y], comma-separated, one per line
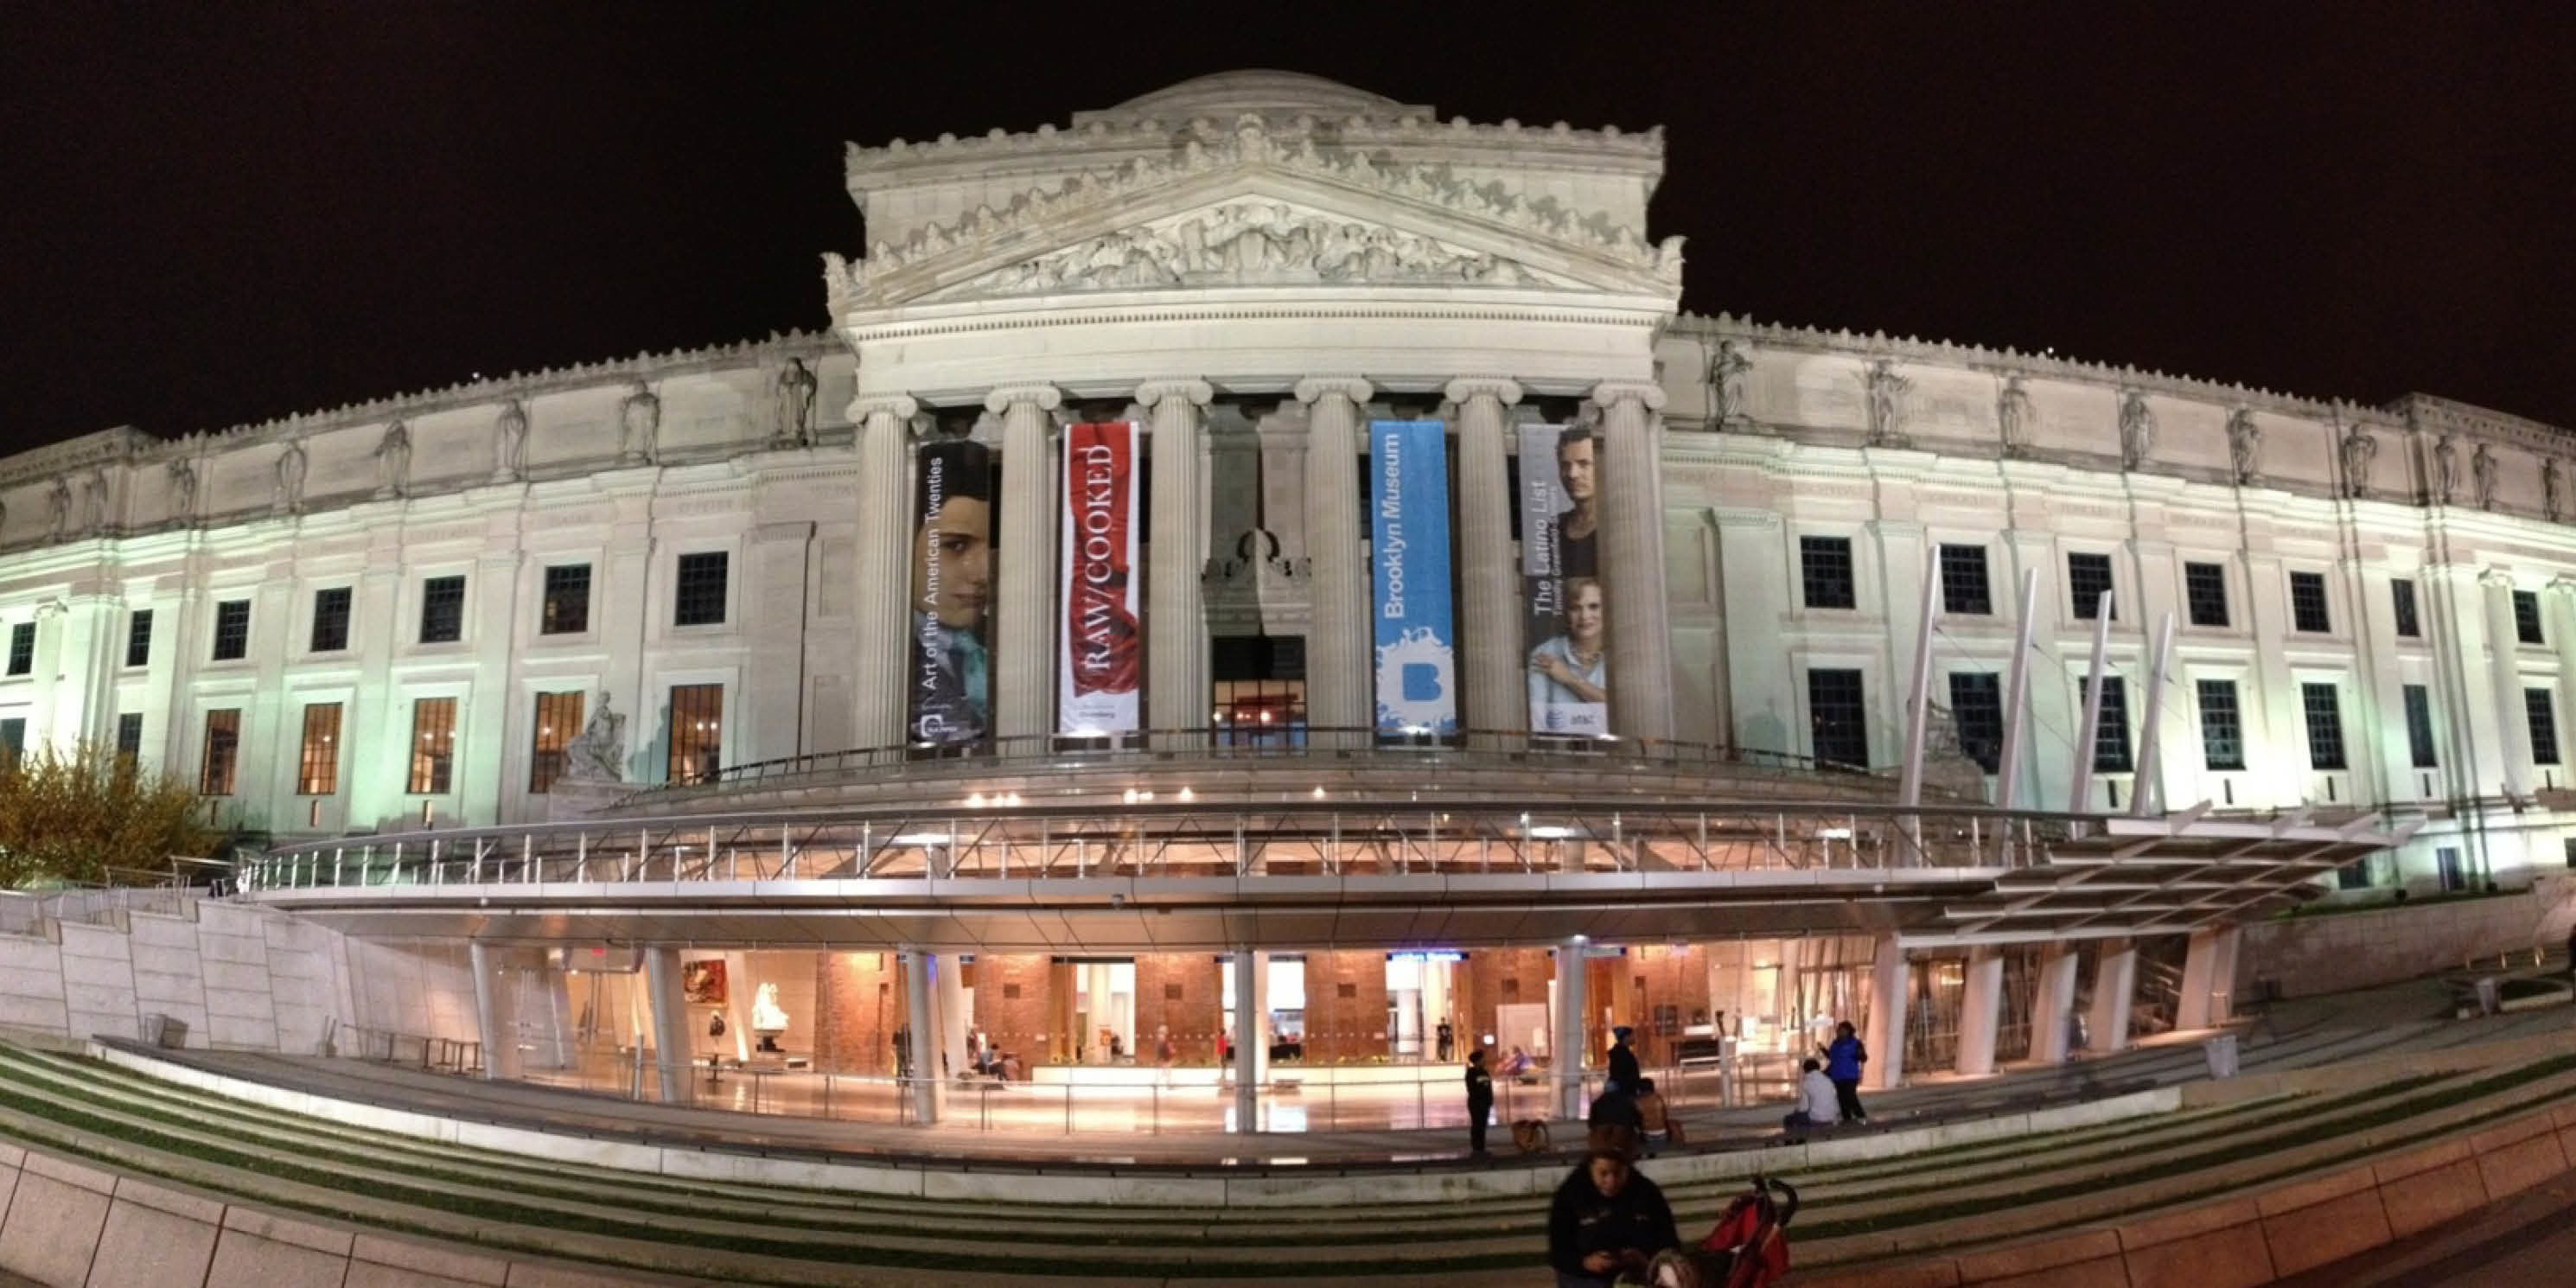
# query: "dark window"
[1963,581]
[2204,592]
[2222,729]
[2419,726]
[433,746]
[1825,564]
[232,631]
[331,619]
[566,610]
[442,610]
[701,596]
[2308,602]
[697,732]
[2324,714]
[2111,737]
[2567,848]
[317,764]
[2543,718]
[558,722]
[2353,876]
[129,736]
[22,647]
[138,638]
[1977,711]
[2446,863]
[2526,617]
[2401,598]
[223,743]
[1841,726]
[13,741]
[2088,578]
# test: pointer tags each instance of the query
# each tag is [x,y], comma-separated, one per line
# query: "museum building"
[1266,522]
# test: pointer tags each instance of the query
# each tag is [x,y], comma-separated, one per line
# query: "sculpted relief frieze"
[1249,244]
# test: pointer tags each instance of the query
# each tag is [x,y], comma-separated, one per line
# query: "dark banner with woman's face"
[1569,666]
[952,593]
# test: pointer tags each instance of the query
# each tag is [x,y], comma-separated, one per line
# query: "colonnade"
[1339,650]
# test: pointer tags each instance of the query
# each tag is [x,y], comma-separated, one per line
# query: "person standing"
[1480,1100]
[1448,1042]
[1606,1221]
[1843,1060]
[1163,1054]
[1624,1073]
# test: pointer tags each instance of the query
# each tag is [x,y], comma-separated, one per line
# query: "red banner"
[1102,662]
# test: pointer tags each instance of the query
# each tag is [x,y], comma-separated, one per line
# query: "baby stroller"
[1748,1249]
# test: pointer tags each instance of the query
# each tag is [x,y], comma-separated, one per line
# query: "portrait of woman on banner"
[1569,673]
[951,676]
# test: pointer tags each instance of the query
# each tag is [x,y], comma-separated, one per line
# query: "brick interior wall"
[1482,985]
[858,1004]
[1346,1029]
[1018,1025]
[1182,991]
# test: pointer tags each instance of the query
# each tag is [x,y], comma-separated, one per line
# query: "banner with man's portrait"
[950,682]
[1100,666]
[1417,664]
[1567,614]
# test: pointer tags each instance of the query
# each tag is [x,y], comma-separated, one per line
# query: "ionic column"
[1176,649]
[2513,724]
[883,566]
[1492,667]
[1632,559]
[1338,670]
[1024,608]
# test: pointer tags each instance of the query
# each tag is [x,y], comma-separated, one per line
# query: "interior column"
[1024,604]
[670,1013]
[1493,667]
[1890,989]
[1251,1037]
[1565,1044]
[1980,1011]
[2115,977]
[2191,1007]
[1338,640]
[884,569]
[1632,559]
[487,1010]
[918,1017]
[1176,654]
[2052,1004]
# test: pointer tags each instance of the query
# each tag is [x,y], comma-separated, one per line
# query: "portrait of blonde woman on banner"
[1569,673]
[952,581]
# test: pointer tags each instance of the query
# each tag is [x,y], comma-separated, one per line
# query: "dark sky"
[214,219]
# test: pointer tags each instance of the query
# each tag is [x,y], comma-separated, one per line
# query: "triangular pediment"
[1256,215]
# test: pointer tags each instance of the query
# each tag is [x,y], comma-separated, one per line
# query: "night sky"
[214,219]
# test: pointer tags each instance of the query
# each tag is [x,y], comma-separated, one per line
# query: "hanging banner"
[1417,689]
[952,593]
[1569,668]
[1101,663]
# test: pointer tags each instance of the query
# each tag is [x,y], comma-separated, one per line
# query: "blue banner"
[1417,671]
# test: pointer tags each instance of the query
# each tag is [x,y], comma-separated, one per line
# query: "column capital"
[1611,392]
[1198,392]
[899,406]
[2496,578]
[1468,388]
[1046,397]
[1315,389]
[2563,584]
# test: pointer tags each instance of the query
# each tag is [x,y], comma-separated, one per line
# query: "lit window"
[433,746]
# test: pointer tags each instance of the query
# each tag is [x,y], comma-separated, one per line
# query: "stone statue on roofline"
[509,442]
[1887,404]
[1731,371]
[2245,447]
[2137,430]
[2553,490]
[2446,471]
[289,496]
[2482,470]
[58,510]
[393,461]
[183,489]
[2360,454]
[795,406]
[2014,416]
[599,754]
[639,426]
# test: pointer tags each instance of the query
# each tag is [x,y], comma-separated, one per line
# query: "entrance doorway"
[1421,999]
[1097,1008]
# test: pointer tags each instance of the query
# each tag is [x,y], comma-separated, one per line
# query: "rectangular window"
[223,747]
[232,630]
[2526,617]
[2308,602]
[2204,593]
[2446,863]
[566,610]
[558,723]
[2543,719]
[2324,712]
[1963,581]
[138,638]
[2401,598]
[1841,723]
[317,766]
[1825,564]
[442,610]
[2567,848]
[2222,729]
[2419,726]
[13,741]
[22,647]
[2111,737]
[2088,578]
[331,619]
[433,745]
[697,732]
[1258,687]
[1977,712]
[700,597]
[2353,876]
[129,736]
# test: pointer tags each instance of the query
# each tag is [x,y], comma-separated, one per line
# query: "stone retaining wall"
[239,977]
[2340,951]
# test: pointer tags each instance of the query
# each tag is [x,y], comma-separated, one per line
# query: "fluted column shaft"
[1338,670]
[883,569]
[1176,652]
[1492,663]
[1632,559]
[2505,671]
[1024,607]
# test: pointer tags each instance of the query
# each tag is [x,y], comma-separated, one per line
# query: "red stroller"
[1748,1249]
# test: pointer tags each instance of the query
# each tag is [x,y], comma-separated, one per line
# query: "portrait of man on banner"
[952,543]
[1578,522]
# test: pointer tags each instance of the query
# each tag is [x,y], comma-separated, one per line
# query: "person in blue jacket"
[1843,1060]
